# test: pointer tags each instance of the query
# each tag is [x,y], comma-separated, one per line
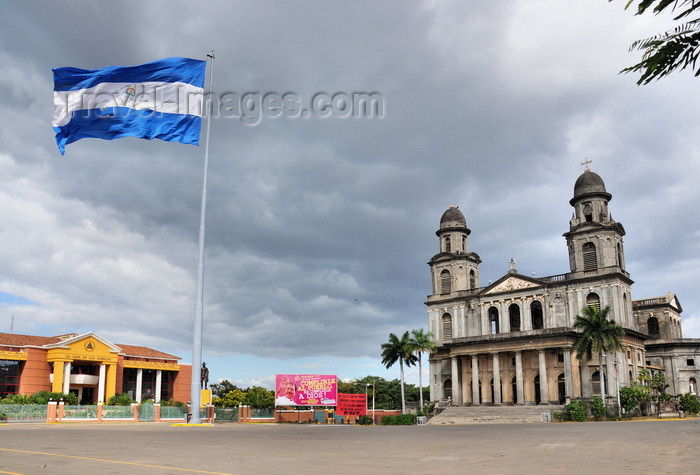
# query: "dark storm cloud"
[318,229]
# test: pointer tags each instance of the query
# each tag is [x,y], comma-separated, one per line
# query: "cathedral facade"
[510,342]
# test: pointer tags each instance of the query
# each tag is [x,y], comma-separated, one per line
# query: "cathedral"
[510,342]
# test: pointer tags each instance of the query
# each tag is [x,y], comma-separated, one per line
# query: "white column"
[159,380]
[526,318]
[544,386]
[139,384]
[519,381]
[456,384]
[433,384]
[101,384]
[475,380]
[496,379]
[66,377]
[568,375]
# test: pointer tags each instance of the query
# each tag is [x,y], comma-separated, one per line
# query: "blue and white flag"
[158,100]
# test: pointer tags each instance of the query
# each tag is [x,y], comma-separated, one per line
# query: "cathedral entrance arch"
[514,385]
[447,389]
[538,398]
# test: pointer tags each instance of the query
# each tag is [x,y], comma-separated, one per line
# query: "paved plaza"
[669,446]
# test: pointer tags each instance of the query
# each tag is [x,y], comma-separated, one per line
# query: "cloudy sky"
[319,228]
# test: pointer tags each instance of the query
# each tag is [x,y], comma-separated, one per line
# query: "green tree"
[421,342]
[398,350]
[599,334]
[259,397]
[231,399]
[672,50]
[221,389]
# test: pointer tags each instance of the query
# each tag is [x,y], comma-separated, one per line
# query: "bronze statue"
[205,375]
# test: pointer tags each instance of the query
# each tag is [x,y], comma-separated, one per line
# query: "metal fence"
[83,413]
[262,413]
[115,413]
[23,412]
[226,414]
[173,412]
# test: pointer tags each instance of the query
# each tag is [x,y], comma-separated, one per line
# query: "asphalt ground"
[663,446]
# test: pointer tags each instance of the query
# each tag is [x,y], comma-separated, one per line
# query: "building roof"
[15,340]
[145,352]
[588,184]
[453,218]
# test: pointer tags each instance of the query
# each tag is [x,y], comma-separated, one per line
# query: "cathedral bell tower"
[594,238]
[454,268]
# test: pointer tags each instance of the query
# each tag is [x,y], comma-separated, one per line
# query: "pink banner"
[306,390]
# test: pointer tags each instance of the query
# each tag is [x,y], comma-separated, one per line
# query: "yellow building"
[91,367]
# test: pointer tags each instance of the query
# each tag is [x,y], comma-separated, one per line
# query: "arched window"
[590,257]
[493,320]
[445,282]
[595,383]
[472,280]
[588,213]
[592,300]
[624,303]
[447,326]
[448,244]
[514,313]
[653,328]
[693,386]
[537,316]
[464,243]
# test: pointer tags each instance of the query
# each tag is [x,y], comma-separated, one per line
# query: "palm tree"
[398,350]
[599,334]
[420,342]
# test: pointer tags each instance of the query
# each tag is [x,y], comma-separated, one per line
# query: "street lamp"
[373,401]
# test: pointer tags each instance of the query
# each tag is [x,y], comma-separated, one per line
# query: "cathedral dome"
[453,218]
[589,183]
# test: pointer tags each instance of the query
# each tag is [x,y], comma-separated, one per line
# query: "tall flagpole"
[195,393]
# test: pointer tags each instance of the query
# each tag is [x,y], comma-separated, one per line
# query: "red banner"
[351,405]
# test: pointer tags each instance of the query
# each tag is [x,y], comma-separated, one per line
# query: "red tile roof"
[145,352]
[14,340]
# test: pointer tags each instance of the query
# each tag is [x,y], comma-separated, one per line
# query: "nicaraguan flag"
[158,100]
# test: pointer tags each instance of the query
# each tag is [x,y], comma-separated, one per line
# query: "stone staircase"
[462,415]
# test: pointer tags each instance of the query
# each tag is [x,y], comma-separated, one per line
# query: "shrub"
[171,403]
[365,421]
[399,420]
[120,400]
[43,397]
[15,399]
[689,403]
[575,411]
[630,399]
[598,409]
